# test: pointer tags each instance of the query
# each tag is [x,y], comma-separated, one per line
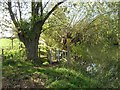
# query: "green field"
[7,44]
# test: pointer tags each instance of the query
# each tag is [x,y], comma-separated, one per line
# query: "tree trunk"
[31,42]
[32,50]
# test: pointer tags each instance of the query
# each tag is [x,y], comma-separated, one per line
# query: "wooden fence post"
[64,54]
[49,56]
[12,42]
[39,52]
[2,53]
[55,54]
[58,55]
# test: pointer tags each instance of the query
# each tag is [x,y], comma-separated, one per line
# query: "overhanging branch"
[50,12]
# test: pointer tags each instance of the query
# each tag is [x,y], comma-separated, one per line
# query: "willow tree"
[30,30]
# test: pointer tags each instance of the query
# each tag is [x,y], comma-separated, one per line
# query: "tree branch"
[46,5]
[37,8]
[61,21]
[50,12]
[41,8]
[87,27]
[33,7]
[44,29]
[19,10]
[12,14]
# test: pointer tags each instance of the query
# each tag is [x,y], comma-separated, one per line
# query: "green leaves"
[74,4]
[24,25]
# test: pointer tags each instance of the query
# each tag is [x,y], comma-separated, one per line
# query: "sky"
[9,34]
[68,0]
